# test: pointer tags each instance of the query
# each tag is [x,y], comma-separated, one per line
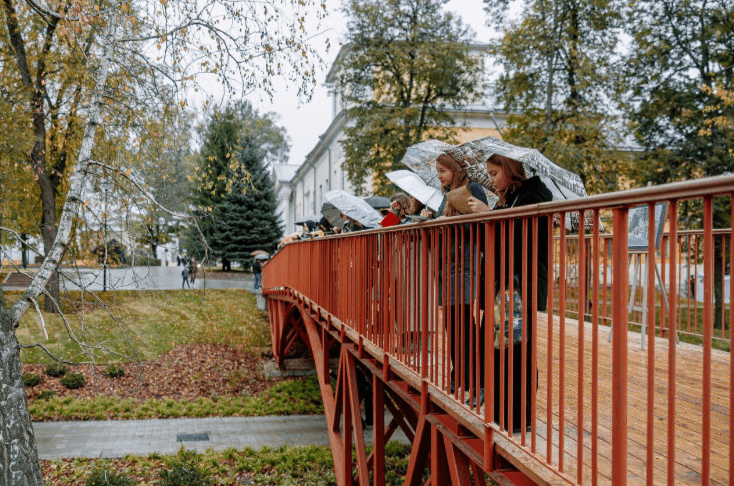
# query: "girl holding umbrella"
[457,314]
[509,180]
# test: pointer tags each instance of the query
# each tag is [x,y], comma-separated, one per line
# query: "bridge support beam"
[444,452]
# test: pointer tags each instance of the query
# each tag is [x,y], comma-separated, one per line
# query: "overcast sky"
[305,122]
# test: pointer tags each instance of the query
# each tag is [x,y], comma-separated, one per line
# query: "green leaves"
[406,65]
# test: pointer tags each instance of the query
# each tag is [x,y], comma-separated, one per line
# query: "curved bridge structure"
[621,373]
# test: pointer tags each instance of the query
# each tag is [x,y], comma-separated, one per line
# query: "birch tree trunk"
[18,451]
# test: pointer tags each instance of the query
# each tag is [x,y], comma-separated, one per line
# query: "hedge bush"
[103,477]
[45,395]
[114,371]
[185,471]
[56,369]
[73,380]
[31,379]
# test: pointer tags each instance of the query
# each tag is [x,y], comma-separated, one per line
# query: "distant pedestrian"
[185,275]
[257,272]
[178,261]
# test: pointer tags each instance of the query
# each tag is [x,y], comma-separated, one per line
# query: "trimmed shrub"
[73,380]
[103,477]
[114,371]
[185,471]
[56,369]
[31,379]
[45,395]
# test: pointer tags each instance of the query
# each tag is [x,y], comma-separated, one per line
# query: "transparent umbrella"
[378,202]
[354,207]
[563,184]
[331,213]
[411,183]
[421,159]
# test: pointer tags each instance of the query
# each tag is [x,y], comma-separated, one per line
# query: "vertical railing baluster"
[672,349]
[595,353]
[650,297]
[562,346]
[620,295]
[708,331]
[581,275]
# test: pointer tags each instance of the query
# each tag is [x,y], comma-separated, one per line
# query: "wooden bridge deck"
[688,403]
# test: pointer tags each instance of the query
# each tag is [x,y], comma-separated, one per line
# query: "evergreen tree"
[407,65]
[233,185]
[558,77]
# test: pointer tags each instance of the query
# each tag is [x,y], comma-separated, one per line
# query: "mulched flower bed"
[184,373]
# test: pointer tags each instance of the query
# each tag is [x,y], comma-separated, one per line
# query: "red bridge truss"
[625,376]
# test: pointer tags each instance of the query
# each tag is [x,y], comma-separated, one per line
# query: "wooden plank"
[688,397]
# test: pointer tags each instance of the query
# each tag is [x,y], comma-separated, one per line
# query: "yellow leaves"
[128,172]
[182,103]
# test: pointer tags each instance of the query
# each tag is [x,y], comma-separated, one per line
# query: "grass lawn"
[292,397]
[157,326]
[145,324]
[283,466]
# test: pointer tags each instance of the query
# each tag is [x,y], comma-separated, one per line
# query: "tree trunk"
[551,61]
[48,229]
[19,459]
[24,250]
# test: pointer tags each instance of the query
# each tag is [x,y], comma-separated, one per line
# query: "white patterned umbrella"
[563,184]
[354,207]
[421,159]
[411,183]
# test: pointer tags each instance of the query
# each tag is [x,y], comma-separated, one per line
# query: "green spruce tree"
[234,193]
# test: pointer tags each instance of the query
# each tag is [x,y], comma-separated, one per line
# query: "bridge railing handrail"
[416,292]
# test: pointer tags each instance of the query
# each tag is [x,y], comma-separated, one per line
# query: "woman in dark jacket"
[458,315]
[515,189]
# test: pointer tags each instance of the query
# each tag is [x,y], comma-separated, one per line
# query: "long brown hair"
[513,171]
[460,179]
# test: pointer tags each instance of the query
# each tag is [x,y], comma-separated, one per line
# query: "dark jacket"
[532,191]
[455,236]
[256,268]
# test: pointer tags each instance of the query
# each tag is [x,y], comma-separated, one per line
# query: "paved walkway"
[142,278]
[117,438]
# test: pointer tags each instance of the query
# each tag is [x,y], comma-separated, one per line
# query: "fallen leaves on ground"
[185,373]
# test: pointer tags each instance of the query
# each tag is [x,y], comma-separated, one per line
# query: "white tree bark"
[18,452]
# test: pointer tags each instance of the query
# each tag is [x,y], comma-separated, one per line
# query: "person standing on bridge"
[458,315]
[514,188]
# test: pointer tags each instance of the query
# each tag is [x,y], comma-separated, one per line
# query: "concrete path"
[117,438]
[142,278]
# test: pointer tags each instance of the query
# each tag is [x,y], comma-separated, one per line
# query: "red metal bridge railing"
[585,409]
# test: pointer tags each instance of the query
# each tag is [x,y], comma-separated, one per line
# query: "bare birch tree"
[133,59]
